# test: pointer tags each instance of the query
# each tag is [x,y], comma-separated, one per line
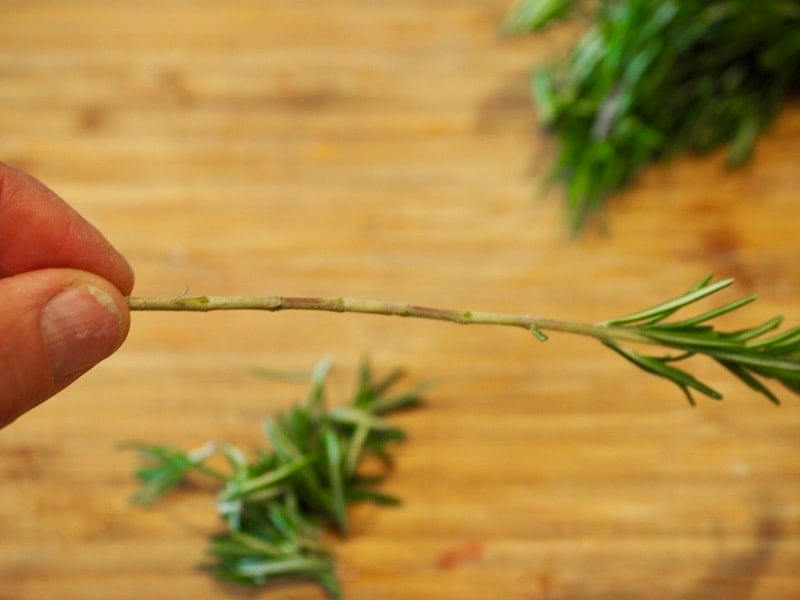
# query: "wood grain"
[388,150]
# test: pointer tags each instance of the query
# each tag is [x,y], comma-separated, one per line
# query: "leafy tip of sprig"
[749,354]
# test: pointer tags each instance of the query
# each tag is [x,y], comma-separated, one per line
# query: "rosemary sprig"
[749,354]
[275,504]
[652,78]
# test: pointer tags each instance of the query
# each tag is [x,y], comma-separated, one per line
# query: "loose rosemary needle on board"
[752,355]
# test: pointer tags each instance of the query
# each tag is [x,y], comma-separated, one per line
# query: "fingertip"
[81,326]
[54,326]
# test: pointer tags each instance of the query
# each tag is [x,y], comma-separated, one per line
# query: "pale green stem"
[536,325]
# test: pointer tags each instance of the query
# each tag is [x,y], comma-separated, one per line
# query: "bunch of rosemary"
[652,78]
[275,505]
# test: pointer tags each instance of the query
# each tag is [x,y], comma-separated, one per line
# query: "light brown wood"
[388,150]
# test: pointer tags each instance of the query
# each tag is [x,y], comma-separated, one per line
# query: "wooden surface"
[388,150]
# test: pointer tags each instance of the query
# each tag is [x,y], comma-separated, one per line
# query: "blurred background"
[389,150]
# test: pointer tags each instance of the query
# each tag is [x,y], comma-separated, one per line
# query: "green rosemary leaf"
[751,333]
[166,468]
[361,494]
[531,15]
[792,385]
[749,380]
[238,544]
[257,570]
[711,314]
[410,398]
[538,333]
[744,140]
[380,452]
[236,458]
[280,374]
[336,477]
[370,391]
[356,417]
[658,312]
[308,482]
[240,489]
[658,366]
[316,398]
[356,448]
[783,342]
[693,338]
[789,369]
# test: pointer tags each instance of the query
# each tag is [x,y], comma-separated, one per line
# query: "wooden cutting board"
[388,150]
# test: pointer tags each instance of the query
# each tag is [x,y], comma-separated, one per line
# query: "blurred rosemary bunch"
[275,505]
[653,78]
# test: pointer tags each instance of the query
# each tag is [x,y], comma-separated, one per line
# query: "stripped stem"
[537,325]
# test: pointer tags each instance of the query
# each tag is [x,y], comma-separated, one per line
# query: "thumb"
[55,324]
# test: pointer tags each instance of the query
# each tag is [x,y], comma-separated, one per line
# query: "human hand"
[62,288]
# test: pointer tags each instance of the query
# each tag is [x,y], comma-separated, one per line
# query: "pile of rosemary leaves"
[653,78]
[275,505]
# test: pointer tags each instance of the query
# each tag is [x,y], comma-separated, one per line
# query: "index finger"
[38,230]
